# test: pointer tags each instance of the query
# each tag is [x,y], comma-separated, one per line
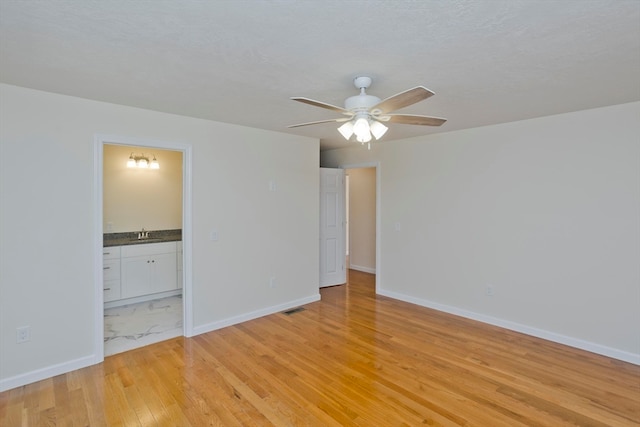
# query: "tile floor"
[136,325]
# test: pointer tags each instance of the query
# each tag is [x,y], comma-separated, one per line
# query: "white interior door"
[332,232]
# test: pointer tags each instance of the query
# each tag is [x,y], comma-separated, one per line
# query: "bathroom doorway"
[144,231]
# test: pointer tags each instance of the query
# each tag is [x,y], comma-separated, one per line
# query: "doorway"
[127,209]
[361,219]
[362,207]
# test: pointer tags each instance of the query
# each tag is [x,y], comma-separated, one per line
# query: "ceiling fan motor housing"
[362,102]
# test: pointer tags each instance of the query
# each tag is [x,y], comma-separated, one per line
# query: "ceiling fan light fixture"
[377,129]
[367,112]
[346,130]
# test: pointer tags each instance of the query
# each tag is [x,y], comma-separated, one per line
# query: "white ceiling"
[240,61]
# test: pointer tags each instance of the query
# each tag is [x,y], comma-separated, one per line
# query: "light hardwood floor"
[353,358]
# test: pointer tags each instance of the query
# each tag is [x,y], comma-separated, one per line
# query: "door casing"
[187,312]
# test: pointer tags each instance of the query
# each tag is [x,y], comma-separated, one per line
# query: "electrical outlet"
[489,291]
[23,334]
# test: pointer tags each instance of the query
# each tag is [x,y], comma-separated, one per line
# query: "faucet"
[143,234]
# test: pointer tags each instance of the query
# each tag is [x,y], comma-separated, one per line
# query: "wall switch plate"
[272,185]
[489,291]
[23,334]
[272,282]
[213,236]
[397,226]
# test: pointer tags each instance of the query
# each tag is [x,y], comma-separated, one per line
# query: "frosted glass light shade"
[154,163]
[378,129]
[346,130]
[131,163]
[361,128]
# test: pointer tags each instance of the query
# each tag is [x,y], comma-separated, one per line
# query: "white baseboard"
[83,362]
[363,269]
[63,368]
[197,330]
[48,372]
[517,327]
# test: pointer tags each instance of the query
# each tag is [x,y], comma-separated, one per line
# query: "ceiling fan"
[364,113]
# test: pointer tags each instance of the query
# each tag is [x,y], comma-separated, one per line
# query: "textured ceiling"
[239,61]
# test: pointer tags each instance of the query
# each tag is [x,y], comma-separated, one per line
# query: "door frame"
[187,299]
[378,168]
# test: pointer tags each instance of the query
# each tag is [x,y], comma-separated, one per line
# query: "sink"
[148,239]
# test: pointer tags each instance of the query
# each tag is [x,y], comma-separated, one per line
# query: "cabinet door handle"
[106,268]
[107,289]
[106,253]
[153,260]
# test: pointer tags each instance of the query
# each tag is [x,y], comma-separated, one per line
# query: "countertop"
[131,238]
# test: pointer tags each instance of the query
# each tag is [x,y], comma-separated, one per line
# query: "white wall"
[362,219]
[547,211]
[47,246]
[137,198]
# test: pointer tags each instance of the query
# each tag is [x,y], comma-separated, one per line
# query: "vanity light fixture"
[142,162]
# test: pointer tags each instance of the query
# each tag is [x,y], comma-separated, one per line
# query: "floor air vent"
[293,310]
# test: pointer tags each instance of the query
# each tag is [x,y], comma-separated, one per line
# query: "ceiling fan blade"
[320,121]
[411,119]
[321,104]
[403,99]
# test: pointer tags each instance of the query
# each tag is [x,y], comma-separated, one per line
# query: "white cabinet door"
[163,273]
[148,269]
[332,234]
[135,276]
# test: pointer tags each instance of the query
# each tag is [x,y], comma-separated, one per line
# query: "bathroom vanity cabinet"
[135,271]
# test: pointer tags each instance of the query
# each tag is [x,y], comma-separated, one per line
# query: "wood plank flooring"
[353,358]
